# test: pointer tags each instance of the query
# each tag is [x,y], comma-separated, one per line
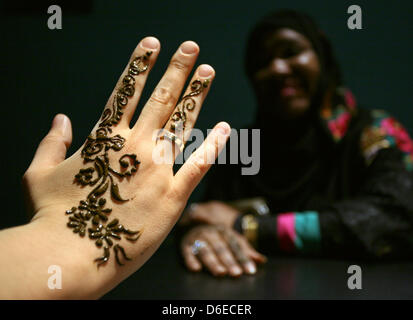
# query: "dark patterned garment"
[344,190]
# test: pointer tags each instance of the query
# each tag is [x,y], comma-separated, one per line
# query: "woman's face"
[288,78]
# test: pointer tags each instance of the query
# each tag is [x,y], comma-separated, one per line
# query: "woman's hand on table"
[221,250]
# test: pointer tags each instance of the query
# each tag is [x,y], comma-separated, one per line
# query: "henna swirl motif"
[187,103]
[112,116]
[101,175]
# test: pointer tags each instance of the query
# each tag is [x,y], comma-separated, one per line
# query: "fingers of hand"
[166,94]
[221,250]
[256,256]
[124,98]
[186,112]
[224,253]
[210,260]
[182,118]
[196,249]
[191,260]
[193,170]
[240,251]
[249,249]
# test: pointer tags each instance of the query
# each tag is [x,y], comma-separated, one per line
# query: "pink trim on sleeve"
[286,231]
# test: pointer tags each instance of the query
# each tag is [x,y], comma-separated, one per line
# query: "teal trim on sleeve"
[307,232]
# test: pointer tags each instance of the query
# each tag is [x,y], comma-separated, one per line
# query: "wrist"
[247,224]
[237,226]
[54,244]
[250,228]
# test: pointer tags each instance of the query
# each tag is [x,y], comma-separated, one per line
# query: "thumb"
[257,257]
[250,250]
[52,149]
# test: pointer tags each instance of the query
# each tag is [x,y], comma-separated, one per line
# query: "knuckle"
[33,174]
[186,242]
[198,165]
[51,139]
[27,176]
[208,154]
[196,169]
[174,192]
[179,65]
[193,235]
[221,250]
[212,147]
[203,233]
[32,177]
[163,96]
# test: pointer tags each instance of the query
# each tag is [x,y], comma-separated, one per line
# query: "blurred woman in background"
[336,179]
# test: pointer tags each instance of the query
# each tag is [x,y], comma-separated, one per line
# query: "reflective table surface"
[164,277]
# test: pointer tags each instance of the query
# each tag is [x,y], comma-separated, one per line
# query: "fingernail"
[251,268]
[221,270]
[205,71]
[150,43]
[189,47]
[223,128]
[236,270]
[61,123]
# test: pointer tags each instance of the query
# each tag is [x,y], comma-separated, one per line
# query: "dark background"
[73,70]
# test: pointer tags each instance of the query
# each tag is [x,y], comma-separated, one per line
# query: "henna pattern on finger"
[112,115]
[234,245]
[91,214]
[187,103]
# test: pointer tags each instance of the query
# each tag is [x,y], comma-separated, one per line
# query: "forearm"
[31,249]
[352,228]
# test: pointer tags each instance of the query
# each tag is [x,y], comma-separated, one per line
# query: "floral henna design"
[92,211]
[111,230]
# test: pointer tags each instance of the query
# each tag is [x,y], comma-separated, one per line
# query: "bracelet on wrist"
[250,228]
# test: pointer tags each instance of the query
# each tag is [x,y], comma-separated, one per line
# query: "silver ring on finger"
[165,134]
[197,246]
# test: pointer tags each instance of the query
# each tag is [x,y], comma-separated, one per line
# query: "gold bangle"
[250,228]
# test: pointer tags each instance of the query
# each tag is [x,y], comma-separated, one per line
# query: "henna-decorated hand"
[110,202]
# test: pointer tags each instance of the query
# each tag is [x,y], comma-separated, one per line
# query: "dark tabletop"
[164,277]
